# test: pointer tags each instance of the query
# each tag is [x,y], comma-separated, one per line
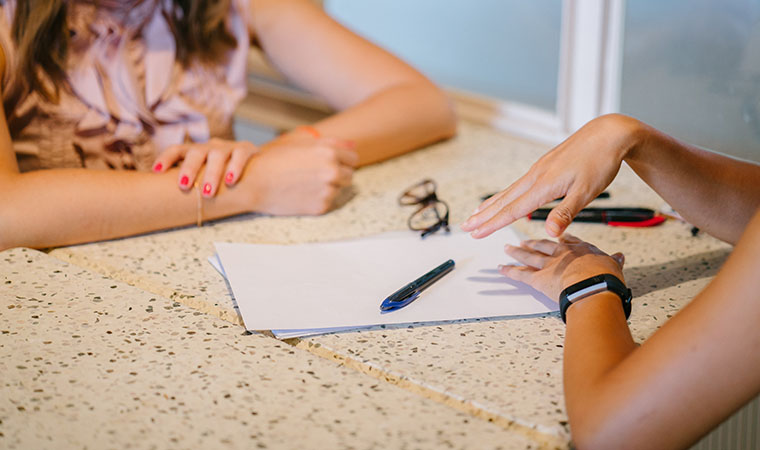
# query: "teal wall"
[692,69]
[508,49]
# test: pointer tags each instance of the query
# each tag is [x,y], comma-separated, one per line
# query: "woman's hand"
[299,174]
[221,158]
[579,169]
[550,266]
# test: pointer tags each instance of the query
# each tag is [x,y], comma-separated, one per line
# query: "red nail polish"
[185,180]
[207,188]
[230,176]
[158,167]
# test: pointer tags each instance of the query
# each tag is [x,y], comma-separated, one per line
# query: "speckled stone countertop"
[89,362]
[505,372]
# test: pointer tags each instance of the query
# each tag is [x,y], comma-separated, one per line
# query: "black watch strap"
[594,285]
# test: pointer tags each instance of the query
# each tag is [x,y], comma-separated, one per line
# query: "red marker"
[616,217]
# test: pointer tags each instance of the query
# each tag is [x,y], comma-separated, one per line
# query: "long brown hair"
[42,38]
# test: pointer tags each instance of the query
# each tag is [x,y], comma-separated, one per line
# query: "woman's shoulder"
[8,5]
[7,10]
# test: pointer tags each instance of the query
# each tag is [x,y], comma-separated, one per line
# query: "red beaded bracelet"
[311,130]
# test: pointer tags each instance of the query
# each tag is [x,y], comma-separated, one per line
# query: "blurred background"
[542,69]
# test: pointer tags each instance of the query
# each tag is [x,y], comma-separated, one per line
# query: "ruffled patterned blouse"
[130,99]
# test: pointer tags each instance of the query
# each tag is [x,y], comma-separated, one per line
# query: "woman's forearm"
[386,107]
[690,375]
[394,121]
[597,340]
[67,206]
[712,191]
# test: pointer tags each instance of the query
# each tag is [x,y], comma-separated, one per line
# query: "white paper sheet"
[283,334]
[298,290]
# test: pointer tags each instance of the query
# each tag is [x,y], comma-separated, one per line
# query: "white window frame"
[588,82]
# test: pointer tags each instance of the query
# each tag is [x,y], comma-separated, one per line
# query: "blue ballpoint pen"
[411,291]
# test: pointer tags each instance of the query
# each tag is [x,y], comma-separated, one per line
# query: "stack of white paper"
[306,289]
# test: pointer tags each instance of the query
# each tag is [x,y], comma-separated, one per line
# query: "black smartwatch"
[594,285]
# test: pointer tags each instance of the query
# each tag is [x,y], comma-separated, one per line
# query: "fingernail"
[229,178]
[467,223]
[475,232]
[158,167]
[185,180]
[207,189]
